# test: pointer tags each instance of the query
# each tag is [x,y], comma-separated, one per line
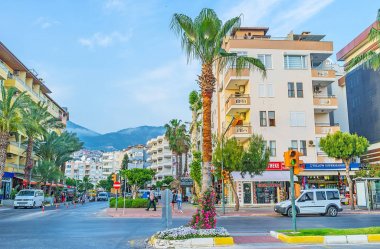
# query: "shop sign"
[187,182]
[330,166]
[268,185]
[275,166]
[8,175]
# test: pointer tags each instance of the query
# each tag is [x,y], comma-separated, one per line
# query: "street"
[87,226]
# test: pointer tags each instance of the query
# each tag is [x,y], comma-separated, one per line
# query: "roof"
[265,29]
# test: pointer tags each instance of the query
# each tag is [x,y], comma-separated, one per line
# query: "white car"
[29,198]
[313,201]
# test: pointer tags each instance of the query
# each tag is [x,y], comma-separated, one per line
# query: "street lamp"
[224,133]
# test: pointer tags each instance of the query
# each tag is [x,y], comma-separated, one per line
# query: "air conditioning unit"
[311,143]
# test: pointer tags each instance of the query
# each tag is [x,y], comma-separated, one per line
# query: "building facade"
[111,162]
[13,73]
[137,157]
[292,107]
[363,93]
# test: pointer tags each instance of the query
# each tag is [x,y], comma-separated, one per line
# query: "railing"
[4,67]
[235,99]
[325,128]
[231,72]
[323,72]
[239,130]
[325,101]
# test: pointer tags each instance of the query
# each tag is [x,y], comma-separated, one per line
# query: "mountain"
[115,140]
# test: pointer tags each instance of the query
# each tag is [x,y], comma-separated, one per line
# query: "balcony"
[3,71]
[233,79]
[237,104]
[23,87]
[323,75]
[16,149]
[241,132]
[325,104]
[324,129]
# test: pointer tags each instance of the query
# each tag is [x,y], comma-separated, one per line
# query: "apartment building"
[363,93]
[137,157]
[13,73]
[160,158]
[292,107]
[111,162]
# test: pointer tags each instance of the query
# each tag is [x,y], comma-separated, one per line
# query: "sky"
[116,64]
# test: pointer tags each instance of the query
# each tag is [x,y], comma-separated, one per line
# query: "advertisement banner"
[330,166]
[275,166]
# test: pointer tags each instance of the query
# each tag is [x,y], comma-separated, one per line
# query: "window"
[297,119]
[332,195]
[291,90]
[263,118]
[303,148]
[272,118]
[266,59]
[270,90]
[308,196]
[299,90]
[261,90]
[321,195]
[294,144]
[272,148]
[295,62]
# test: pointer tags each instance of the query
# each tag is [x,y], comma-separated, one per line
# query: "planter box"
[191,243]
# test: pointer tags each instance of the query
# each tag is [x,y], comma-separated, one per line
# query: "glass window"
[272,147]
[263,118]
[261,90]
[299,90]
[332,195]
[291,93]
[294,144]
[303,148]
[295,62]
[321,195]
[308,196]
[266,59]
[270,90]
[272,118]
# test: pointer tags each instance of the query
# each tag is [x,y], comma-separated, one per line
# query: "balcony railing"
[323,72]
[234,99]
[240,130]
[231,72]
[325,101]
[322,128]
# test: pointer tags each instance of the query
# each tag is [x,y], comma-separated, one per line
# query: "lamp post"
[224,133]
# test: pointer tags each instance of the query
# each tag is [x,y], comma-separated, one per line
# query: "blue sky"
[116,64]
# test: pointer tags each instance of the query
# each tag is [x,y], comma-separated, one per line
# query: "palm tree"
[202,39]
[371,58]
[195,102]
[11,105]
[85,184]
[46,171]
[37,121]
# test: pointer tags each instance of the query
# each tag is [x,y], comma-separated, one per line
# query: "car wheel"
[332,211]
[289,212]
[15,207]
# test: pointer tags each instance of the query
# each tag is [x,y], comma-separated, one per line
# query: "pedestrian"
[174,199]
[179,200]
[152,201]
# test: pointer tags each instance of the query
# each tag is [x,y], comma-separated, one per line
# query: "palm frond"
[360,59]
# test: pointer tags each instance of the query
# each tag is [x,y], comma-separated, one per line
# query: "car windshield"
[102,194]
[26,193]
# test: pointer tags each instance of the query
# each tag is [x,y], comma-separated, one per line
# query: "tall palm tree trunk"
[4,142]
[207,82]
[180,166]
[186,170]
[194,131]
[29,160]
[176,166]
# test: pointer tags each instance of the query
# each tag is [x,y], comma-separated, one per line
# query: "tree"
[196,172]
[195,101]
[345,146]
[71,182]
[137,178]
[370,58]
[37,121]
[85,184]
[11,105]
[167,180]
[105,184]
[202,39]
[124,163]
[46,171]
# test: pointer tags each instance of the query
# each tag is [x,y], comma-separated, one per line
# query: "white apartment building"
[160,158]
[85,167]
[292,106]
[111,162]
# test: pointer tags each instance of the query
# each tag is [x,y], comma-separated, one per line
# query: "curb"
[191,243]
[327,240]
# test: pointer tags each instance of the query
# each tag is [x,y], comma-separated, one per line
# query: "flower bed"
[182,233]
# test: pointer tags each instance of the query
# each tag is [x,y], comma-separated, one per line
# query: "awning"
[267,176]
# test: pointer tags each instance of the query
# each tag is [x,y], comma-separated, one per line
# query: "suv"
[313,201]
[29,198]
[103,196]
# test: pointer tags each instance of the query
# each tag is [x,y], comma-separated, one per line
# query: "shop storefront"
[269,188]
[6,188]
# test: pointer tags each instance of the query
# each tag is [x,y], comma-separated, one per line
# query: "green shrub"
[129,203]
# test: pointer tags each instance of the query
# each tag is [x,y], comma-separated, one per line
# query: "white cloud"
[45,23]
[298,13]
[253,10]
[104,40]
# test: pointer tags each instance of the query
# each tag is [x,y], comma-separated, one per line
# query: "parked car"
[29,198]
[103,196]
[313,201]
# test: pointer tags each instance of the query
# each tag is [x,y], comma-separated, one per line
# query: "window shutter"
[261,90]
[270,90]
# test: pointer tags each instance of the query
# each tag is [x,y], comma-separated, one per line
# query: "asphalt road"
[88,227]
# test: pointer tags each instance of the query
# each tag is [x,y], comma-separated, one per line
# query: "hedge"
[129,203]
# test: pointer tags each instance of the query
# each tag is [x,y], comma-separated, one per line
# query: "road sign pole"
[294,212]
[116,199]
[125,189]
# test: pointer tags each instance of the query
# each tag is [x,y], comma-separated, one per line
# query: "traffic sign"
[116,185]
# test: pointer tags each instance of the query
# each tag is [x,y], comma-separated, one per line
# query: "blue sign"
[8,175]
[330,166]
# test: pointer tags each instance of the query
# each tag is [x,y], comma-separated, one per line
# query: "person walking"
[179,200]
[152,201]
[174,199]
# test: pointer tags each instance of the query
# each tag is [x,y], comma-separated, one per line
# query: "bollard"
[43,208]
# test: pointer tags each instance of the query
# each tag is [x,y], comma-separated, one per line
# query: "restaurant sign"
[272,166]
[330,166]
[186,181]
